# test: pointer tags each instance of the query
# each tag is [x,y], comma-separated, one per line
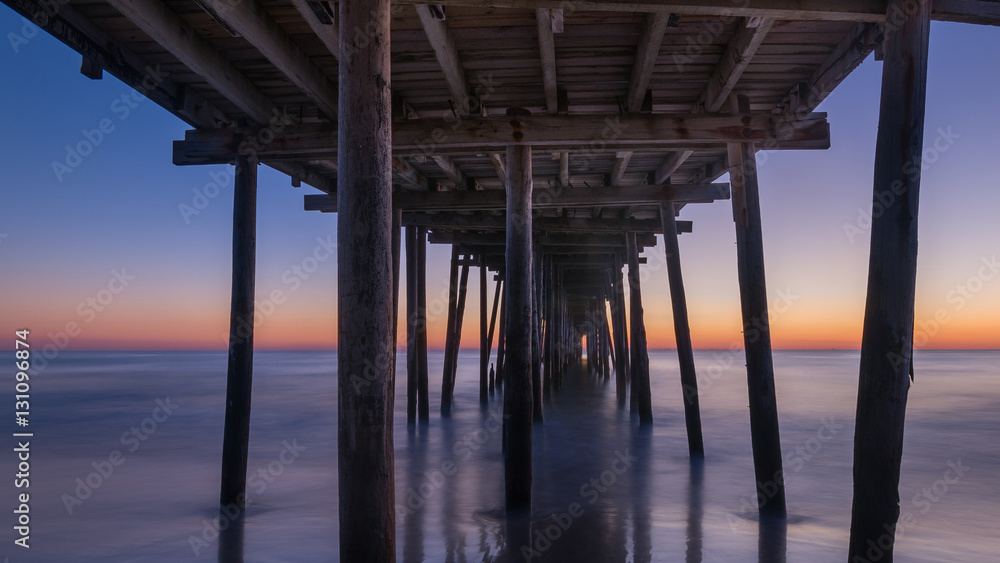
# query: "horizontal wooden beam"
[542,199]
[966,11]
[574,133]
[591,240]
[485,222]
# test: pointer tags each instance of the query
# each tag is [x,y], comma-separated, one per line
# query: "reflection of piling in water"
[638,478]
[413,523]
[231,538]
[772,540]
[696,484]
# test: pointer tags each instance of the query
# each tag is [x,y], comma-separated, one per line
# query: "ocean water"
[115,476]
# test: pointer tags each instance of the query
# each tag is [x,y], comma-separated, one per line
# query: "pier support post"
[484,346]
[536,336]
[887,341]
[644,398]
[239,373]
[621,338]
[412,369]
[449,338]
[682,331]
[365,282]
[764,434]
[517,364]
[493,325]
[423,402]
[502,337]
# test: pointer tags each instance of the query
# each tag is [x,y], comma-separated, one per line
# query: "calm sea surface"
[92,410]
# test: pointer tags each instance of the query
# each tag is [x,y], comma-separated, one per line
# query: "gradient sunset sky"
[118,210]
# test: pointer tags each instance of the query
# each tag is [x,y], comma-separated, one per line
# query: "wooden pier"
[550,144]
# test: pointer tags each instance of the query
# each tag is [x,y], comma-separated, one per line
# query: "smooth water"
[159,502]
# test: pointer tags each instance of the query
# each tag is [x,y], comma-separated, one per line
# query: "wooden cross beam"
[591,240]
[965,11]
[483,222]
[586,133]
[576,197]
[253,23]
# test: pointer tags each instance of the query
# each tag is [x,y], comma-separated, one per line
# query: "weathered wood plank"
[647,52]
[326,31]
[447,55]
[547,48]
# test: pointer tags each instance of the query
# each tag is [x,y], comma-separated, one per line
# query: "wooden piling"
[423,401]
[484,346]
[493,324]
[887,341]
[365,282]
[449,337]
[548,325]
[642,391]
[397,230]
[517,364]
[764,433]
[412,316]
[536,336]
[621,338]
[682,332]
[239,372]
[502,337]
[463,293]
